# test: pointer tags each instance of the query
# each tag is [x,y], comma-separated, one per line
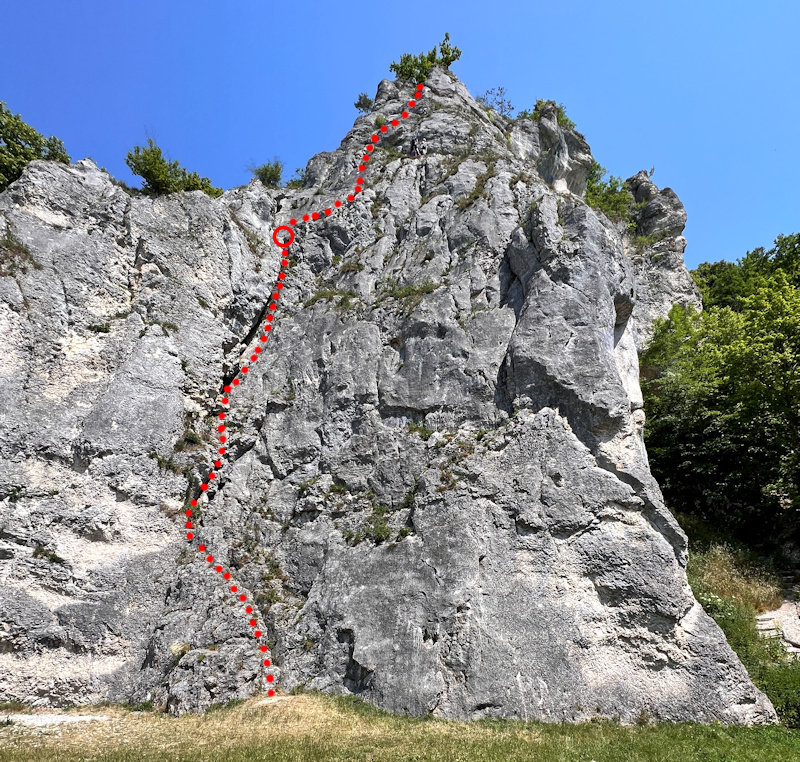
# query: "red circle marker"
[263,649]
[375,138]
[234,588]
[338,203]
[270,692]
[249,609]
[242,597]
[201,548]
[292,222]
[257,634]
[245,369]
[204,487]
[270,678]
[395,122]
[227,388]
[227,575]
[327,211]
[305,218]
[209,559]
[412,104]
[370,148]
[361,167]
[405,115]
[351,197]
[384,128]
[189,536]
[217,568]
[275,236]
[267,662]
[194,502]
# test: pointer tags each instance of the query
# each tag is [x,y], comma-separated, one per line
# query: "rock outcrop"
[656,250]
[436,492]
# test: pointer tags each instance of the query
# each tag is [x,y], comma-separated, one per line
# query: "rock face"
[436,492]
[660,273]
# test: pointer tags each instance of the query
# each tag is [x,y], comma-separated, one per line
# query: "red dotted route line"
[245,369]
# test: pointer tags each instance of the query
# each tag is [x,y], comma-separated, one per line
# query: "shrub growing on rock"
[162,176]
[20,144]
[417,68]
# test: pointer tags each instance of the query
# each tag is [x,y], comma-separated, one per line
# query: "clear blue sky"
[707,92]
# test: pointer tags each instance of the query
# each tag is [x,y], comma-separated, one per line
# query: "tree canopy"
[20,144]
[722,396]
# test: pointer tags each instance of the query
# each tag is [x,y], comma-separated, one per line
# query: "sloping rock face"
[436,493]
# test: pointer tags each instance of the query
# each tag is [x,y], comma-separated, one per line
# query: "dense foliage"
[611,196]
[417,68]
[20,144]
[722,396]
[162,176]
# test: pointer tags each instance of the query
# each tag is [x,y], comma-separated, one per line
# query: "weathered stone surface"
[658,261]
[436,494]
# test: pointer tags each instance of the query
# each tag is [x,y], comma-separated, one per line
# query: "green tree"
[611,196]
[417,68]
[725,284]
[364,103]
[269,174]
[722,397]
[162,176]
[20,144]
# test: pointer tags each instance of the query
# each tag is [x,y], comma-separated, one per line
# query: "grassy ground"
[734,584]
[731,582]
[316,727]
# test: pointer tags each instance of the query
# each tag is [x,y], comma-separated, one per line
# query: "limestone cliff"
[437,491]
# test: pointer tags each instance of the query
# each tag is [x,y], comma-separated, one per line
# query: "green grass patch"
[313,727]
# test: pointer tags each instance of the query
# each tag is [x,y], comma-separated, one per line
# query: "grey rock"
[661,275]
[436,493]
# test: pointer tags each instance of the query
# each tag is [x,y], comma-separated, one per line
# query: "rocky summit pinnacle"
[437,494]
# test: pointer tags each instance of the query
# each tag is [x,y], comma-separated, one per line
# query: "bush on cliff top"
[417,68]
[609,196]
[20,144]
[162,176]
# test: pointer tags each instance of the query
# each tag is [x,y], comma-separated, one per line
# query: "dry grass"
[316,727]
[732,574]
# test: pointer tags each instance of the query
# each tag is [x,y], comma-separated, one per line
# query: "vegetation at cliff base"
[161,176]
[417,68]
[20,144]
[722,397]
[319,728]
